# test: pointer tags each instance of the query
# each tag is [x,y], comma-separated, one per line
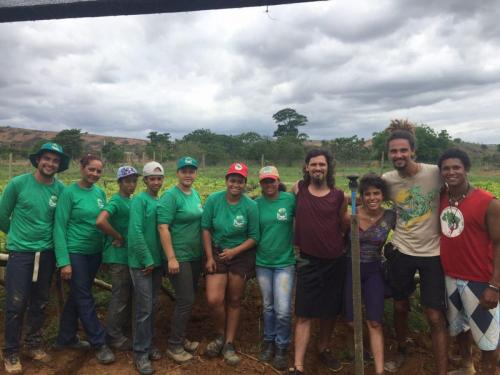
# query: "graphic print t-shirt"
[416,200]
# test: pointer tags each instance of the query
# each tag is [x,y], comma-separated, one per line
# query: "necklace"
[455,200]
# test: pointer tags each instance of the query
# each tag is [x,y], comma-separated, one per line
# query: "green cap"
[56,149]
[187,161]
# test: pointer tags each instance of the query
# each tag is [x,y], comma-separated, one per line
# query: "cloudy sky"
[349,66]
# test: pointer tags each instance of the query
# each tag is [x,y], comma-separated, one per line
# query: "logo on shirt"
[100,203]
[200,207]
[452,222]
[414,206]
[282,215]
[53,201]
[239,221]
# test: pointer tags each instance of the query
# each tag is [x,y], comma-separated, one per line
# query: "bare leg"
[216,290]
[326,327]
[235,289]
[464,341]
[488,362]
[439,338]
[302,335]
[376,344]
[401,310]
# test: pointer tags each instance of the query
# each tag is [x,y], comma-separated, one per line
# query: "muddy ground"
[200,328]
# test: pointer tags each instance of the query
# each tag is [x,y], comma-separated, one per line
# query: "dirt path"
[67,362]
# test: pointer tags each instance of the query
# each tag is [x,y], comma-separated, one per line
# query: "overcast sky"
[349,66]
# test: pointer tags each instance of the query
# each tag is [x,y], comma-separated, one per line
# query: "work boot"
[125,345]
[394,365]
[38,354]
[191,346]
[229,354]
[179,355]
[267,352]
[12,364]
[214,347]
[104,355]
[76,345]
[280,361]
[155,354]
[330,361]
[143,364]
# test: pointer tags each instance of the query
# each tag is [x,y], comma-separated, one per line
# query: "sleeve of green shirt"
[7,204]
[63,213]
[111,207]
[136,240]
[253,222]
[166,209]
[208,210]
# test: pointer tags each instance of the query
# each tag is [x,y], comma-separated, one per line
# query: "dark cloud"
[349,67]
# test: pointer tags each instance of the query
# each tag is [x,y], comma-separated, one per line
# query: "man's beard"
[317,181]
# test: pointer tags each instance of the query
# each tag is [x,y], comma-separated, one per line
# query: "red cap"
[238,168]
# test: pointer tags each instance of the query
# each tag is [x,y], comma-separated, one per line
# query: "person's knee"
[17,302]
[402,306]
[234,301]
[373,324]
[215,299]
[435,318]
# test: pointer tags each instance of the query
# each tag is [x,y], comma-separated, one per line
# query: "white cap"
[152,168]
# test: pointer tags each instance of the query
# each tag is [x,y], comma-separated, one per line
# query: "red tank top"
[318,223]
[466,248]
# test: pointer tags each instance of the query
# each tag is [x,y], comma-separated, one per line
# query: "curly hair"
[455,153]
[330,179]
[401,129]
[373,180]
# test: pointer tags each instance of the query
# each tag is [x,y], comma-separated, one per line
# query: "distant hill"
[25,138]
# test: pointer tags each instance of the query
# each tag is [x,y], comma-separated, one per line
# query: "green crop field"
[211,179]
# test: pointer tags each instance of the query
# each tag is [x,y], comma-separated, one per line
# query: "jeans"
[185,284]
[146,289]
[23,294]
[119,308]
[80,303]
[276,286]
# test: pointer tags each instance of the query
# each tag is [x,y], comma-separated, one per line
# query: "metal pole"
[10,166]
[356,281]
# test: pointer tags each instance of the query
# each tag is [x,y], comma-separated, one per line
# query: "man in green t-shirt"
[27,211]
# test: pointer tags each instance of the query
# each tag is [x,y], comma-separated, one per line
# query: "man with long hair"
[320,209]
[414,189]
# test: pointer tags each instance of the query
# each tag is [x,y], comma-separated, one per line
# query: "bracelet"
[494,287]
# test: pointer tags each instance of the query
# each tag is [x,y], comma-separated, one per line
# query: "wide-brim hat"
[56,149]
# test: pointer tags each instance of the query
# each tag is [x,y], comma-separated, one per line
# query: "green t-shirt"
[182,212]
[27,210]
[75,231]
[230,224]
[144,248]
[118,209]
[276,231]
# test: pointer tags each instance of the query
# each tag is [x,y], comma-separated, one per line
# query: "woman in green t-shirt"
[145,260]
[113,221]
[275,266]
[230,228]
[179,224]
[78,248]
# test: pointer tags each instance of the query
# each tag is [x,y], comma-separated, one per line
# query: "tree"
[113,153]
[348,149]
[289,121]
[160,146]
[71,141]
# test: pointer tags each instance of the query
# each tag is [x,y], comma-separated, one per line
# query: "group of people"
[442,227]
